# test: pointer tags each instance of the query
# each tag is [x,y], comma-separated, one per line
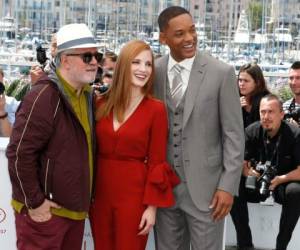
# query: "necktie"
[176,91]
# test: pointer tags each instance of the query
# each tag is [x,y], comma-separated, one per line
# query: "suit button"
[175,156]
[175,134]
[176,113]
[175,145]
[175,124]
[177,166]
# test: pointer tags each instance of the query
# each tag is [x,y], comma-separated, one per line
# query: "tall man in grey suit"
[206,140]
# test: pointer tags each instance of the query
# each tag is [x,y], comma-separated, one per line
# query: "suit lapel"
[195,81]
[161,82]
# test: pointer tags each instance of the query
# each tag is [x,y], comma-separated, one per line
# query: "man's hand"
[2,104]
[294,175]
[35,74]
[292,121]
[277,181]
[42,213]
[248,170]
[253,172]
[221,204]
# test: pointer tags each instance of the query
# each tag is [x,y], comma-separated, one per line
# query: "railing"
[264,220]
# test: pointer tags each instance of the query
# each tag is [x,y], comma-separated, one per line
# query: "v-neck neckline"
[128,118]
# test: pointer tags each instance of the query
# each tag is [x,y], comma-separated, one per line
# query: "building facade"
[137,17]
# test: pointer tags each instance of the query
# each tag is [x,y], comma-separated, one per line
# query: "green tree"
[254,12]
[22,91]
[285,93]
[12,87]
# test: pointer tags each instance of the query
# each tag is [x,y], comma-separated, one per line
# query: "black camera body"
[101,88]
[2,88]
[41,55]
[292,114]
[261,184]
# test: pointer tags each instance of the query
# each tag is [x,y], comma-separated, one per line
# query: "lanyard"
[268,156]
[292,106]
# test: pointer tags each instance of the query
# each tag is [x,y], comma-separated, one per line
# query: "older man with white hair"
[50,154]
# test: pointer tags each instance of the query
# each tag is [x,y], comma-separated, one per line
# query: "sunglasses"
[87,57]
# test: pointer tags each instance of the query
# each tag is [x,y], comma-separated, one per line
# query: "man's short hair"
[57,59]
[169,13]
[271,97]
[296,65]
[1,72]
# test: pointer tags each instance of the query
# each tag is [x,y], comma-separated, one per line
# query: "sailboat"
[242,34]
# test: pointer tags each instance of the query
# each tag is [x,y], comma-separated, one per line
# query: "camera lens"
[251,182]
[264,188]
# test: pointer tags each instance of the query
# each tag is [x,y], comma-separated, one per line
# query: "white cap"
[75,35]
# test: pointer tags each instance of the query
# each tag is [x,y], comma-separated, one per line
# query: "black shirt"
[283,150]
[253,115]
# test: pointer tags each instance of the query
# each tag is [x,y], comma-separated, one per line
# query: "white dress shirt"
[185,73]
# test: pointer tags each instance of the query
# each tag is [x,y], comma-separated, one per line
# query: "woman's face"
[246,84]
[141,68]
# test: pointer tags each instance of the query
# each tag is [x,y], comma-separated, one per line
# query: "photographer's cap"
[73,36]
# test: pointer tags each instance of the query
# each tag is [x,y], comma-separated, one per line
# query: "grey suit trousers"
[184,225]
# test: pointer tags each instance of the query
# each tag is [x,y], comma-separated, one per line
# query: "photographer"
[100,87]
[275,144]
[252,87]
[46,64]
[292,107]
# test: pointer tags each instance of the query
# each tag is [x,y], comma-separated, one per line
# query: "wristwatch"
[3,116]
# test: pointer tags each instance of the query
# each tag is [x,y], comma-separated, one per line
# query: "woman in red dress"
[132,176]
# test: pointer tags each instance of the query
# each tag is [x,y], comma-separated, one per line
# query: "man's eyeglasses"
[87,57]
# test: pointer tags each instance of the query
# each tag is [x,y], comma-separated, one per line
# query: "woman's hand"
[243,101]
[148,220]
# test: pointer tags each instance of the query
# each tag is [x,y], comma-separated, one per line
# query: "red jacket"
[48,151]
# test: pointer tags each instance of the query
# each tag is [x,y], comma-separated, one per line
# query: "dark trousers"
[288,195]
[56,234]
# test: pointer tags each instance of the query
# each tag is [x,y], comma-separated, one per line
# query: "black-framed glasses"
[87,57]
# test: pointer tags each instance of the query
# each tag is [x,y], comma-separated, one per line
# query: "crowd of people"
[134,143]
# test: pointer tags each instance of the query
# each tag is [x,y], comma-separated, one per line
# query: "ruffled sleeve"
[161,178]
[160,182]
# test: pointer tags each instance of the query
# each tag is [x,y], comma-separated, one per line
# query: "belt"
[122,158]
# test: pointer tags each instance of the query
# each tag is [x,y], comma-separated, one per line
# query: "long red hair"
[119,95]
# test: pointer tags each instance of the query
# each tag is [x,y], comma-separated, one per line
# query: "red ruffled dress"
[132,173]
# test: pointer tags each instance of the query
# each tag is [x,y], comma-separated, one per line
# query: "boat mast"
[229,30]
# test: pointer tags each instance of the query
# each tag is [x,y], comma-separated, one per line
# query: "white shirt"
[11,106]
[185,73]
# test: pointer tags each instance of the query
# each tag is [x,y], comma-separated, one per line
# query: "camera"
[41,55]
[261,184]
[102,88]
[98,75]
[2,88]
[292,114]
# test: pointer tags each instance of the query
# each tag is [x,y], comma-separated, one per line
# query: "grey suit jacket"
[213,135]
